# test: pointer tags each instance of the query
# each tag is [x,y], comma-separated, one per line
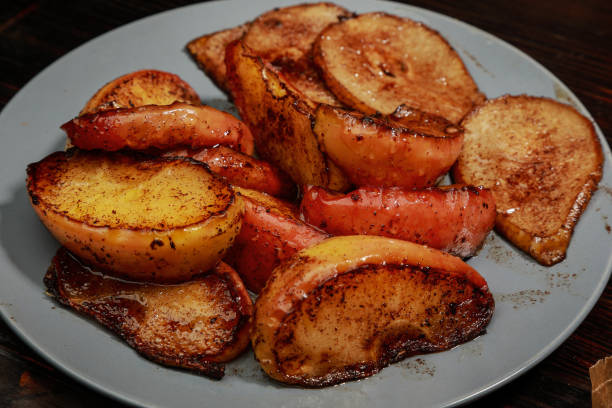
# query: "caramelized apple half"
[138,217]
[409,148]
[196,325]
[349,306]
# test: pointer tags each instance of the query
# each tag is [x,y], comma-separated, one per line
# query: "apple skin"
[271,232]
[159,126]
[454,219]
[409,148]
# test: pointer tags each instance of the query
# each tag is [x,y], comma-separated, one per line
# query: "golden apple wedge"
[347,307]
[137,217]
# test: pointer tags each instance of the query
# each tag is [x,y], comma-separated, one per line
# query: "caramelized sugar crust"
[196,325]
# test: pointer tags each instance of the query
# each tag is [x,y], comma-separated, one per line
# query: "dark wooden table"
[572,39]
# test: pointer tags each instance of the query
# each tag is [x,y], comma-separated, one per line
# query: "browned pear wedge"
[409,148]
[542,160]
[376,62]
[197,325]
[280,118]
[209,53]
[142,218]
[146,87]
[349,306]
[284,37]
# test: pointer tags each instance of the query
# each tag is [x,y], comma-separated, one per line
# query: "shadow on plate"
[223,105]
[26,241]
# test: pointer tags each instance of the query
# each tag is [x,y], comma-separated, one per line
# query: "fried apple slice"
[146,87]
[271,232]
[242,170]
[409,148]
[376,62]
[284,37]
[197,325]
[209,53]
[454,219]
[347,307]
[280,118]
[542,160]
[142,218]
[161,127]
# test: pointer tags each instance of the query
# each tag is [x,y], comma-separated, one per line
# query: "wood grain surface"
[571,39]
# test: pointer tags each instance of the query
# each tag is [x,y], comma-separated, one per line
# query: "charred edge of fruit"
[350,372]
[445,126]
[395,348]
[245,306]
[388,122]
[297,101]
[136,157]
[476,190]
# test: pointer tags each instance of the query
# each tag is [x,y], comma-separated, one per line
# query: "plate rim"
[511,375]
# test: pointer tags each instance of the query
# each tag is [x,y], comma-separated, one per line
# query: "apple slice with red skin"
[159,126]
[271,232]
[455,219]
[408,148]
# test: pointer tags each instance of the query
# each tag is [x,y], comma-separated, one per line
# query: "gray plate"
[537,307]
